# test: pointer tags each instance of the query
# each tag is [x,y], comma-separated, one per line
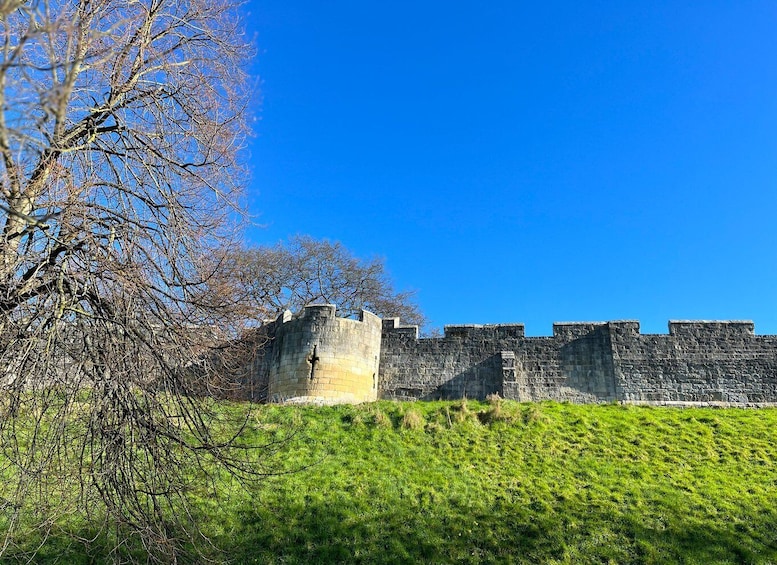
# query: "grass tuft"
[380,419]
[413,420]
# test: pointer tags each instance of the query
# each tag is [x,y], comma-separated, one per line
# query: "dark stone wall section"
[465,363]
[697,362]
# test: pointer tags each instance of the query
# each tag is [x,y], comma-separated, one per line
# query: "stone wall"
[697,362]
[465,363]
[475,361]
[318,357]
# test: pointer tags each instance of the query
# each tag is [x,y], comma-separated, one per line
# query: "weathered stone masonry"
[318,357]
[696,362]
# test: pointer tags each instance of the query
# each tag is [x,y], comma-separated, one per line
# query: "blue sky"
[529,162]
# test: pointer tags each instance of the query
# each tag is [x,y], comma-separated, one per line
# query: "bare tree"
[120,125]
[302,271]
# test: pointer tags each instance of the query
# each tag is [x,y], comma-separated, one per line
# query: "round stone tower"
[318,357]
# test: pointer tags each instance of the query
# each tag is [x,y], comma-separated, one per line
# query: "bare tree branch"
[305,271]
[121,123]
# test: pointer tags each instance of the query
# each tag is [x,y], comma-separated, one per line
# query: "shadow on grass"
[339,533]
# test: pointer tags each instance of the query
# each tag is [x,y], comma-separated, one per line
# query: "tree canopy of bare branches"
[304,270]
[120,128]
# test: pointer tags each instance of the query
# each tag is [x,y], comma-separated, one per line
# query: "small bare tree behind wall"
[301,271]
[120,127]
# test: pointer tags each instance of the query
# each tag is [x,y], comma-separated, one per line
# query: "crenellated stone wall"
[317,357]
[697,362]
[465,363]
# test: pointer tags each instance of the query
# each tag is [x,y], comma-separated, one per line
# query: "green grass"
[504,482]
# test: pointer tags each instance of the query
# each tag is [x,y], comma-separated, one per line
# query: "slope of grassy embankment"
[502,483]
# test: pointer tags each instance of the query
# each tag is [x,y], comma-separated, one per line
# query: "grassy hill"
[497,482]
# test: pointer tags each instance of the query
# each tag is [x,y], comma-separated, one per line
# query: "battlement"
[319,357]
[575,330]
[392,326]
[711,328]
[486,331]
[697,361]
[322,312]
